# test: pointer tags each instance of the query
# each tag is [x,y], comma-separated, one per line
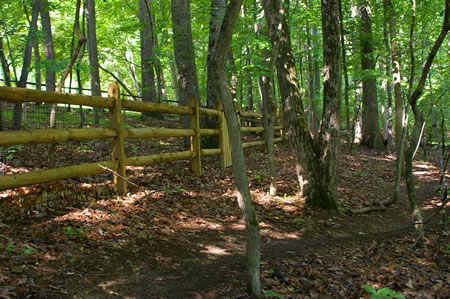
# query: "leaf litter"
[182,235]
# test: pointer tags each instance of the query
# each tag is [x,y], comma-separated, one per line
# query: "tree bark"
[329,146]
[93,54]
[346,82]
[7,78]
[216,16]
[419,122]
[184,55]
[388,80]
[148,85]
[396,73]
[267,87]
[309,160]
[17,119]
[237,154]
[371,135]
[50,75]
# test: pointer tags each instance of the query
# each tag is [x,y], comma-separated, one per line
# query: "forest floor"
[186,238]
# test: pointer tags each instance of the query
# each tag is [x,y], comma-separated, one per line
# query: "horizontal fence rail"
[117,134]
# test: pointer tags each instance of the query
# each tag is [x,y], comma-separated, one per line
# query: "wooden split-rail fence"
[117,133]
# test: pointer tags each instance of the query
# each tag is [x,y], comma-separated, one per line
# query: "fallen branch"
[115,173]
[147,194]
[377,206]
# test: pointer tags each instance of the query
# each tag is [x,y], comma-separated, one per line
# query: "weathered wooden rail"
[117,134]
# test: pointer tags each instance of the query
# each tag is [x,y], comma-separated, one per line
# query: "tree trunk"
[37,62]
[371,135]
[173,75]
[148,85]
[309,160]
[266,83]
[329,146]
[216,16]
[50,75]
[311,85]
[346,82]
[26,61]
[419,121]
[388,81]
[234,78]
[396,74]
[7,78]
[184,55]
[162,96]
[132,69]
[93,54]
[237,154]
[65,73]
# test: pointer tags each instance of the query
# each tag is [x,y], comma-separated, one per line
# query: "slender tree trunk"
[7,78]
[37,63]
[311,85]
[237,154]
[396,73]
[384,111]
[162,96]
[234,78]
[248,75]
[267,88]
[13,61]
[65,73]
[93,54]
[17,120]
[132,69]
[388,81]
[216,16]
[346,82]
[78,69]
[148,92]
[173,74]
[317,74]
[419,120]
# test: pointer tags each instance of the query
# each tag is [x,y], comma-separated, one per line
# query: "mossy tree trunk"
[316,162]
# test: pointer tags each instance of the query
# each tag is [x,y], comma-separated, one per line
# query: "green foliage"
[255,155]
[299,221]
[260,175]
[177,189]
[80,233]
[13,150]
[384,293]
[270,293]
[29,250]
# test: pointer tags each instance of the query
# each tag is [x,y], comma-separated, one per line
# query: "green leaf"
[271,271]
[386,292]
[369,289]
[28,250]
[270,293]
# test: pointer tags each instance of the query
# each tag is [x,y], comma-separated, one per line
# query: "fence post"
[224,143]
[194,124]
[117,144]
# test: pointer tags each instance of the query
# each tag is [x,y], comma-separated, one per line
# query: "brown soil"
[186,239]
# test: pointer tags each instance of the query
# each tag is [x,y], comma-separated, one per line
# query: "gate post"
[117,144]
[224,143]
